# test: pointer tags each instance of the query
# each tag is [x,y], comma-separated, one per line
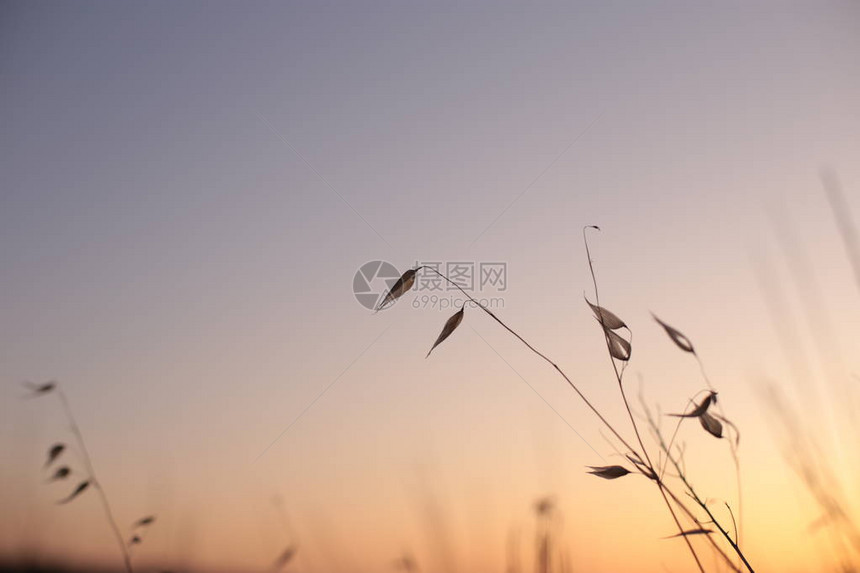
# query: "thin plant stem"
[649,470]
[657,479]
[567,379]
[675,435]
[660,440]
[95,482]
[692,493]
[713,519]
[587,402]
[618,375]
[733,447]
[689,513]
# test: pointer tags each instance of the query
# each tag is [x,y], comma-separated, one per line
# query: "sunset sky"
[188,189]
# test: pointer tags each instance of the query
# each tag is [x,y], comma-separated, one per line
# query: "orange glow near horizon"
[188,194]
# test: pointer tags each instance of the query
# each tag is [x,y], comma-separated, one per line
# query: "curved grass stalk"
[619,377]
[87,460]
[691,492]
[641,460]
[733,448]
[588,403]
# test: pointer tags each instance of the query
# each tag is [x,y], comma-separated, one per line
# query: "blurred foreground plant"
[88,473]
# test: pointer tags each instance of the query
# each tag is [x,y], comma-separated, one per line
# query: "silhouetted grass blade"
[679,339]
[701,408]
[606,318]
[689,532]
[285,557]
[618,347]
[78,491]
[449,327]
[403,284]
[61,473]
[609,472]
[54,453]
[144,521]
[711,425]
[39,389]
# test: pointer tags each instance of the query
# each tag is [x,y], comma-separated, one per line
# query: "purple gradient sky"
[176,247]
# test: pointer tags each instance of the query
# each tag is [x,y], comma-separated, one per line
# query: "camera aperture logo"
[374,279]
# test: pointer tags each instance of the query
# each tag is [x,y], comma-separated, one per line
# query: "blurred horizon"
[188,192]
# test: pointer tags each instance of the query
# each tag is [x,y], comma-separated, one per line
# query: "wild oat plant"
[663,464]
[61,469]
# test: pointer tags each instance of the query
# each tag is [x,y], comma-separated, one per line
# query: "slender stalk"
[95,482]
[713,519]
[689,513]
[561,372]
[733,447]
[662,443]
[649,470]
[675,435]
[650,466]
[611,359]
[692,493]
[587,402]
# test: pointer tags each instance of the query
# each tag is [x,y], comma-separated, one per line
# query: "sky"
[188,189]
